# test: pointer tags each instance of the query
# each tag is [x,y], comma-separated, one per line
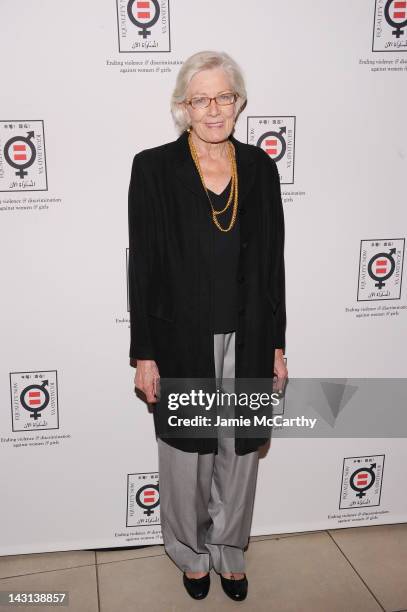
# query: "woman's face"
[213,123]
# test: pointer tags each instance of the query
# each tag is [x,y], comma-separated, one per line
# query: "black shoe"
[198,588]
[235,589]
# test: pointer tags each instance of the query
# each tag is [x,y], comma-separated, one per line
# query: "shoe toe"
[235,589]
[197,588]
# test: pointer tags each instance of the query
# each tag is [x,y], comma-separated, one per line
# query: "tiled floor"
[358,569]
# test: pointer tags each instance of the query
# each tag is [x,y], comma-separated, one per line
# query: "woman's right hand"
[147,379]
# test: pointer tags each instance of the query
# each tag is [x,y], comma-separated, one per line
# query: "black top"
[224,265]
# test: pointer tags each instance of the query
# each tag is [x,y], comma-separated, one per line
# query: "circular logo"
[381,266]
[20,153]
[395,14]
[148,498]
[140,15]
[361,480]
[273,143]
[35,398]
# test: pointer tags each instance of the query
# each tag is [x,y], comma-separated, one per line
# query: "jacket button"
[244,245]
[240,279]
[242,211]
[242,310]
[240,344]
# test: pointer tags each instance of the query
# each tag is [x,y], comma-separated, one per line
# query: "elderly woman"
[207,300]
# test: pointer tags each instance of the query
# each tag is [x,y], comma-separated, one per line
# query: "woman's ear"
[240,109]
[186,114]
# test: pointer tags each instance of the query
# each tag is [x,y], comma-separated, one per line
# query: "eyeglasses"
[204,101]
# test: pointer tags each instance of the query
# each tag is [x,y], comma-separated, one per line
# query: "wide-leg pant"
[206,501]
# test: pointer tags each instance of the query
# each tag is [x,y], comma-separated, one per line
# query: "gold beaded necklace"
[233,187]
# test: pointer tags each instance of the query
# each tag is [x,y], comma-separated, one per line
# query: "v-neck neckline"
[220,194]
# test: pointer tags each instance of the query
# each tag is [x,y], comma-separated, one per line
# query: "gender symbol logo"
[141,16]
[148,498]
[20,153]
[396,16]
[274,143]
[362,479]
[381,267]
[35,398]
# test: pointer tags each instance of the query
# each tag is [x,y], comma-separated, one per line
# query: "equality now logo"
[34,400]
[143,26]
[380,269]
[390,26]
[276,136]
[143,499]
[22,156]
[361,481]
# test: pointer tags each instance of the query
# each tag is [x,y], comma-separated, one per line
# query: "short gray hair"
[205,60]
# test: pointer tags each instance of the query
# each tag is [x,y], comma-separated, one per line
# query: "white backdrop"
[83,90]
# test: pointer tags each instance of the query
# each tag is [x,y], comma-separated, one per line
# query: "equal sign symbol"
[381,266]
[271,146]
[34,398]
[19,152]
[149,496]
[397,13]
[143,14]
[361,479]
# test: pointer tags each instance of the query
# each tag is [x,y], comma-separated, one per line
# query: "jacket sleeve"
[141,248]
[277,272]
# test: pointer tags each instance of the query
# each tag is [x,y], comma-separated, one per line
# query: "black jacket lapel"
[186,171]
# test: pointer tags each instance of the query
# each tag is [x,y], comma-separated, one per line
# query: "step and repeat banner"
[85,86]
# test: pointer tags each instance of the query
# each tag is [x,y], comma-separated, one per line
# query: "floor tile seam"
[357,573]
[97,582]
[369,527]
[49,571]
[130,559]
[283,536]
[58,569]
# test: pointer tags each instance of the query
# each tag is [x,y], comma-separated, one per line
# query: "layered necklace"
[233,188]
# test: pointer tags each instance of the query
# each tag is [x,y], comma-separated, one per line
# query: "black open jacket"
[169,287]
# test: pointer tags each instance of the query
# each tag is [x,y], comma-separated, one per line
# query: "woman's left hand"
[280,370]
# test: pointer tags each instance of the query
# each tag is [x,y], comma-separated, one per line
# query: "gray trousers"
[206,501]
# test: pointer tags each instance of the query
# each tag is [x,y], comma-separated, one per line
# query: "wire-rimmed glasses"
[223,99]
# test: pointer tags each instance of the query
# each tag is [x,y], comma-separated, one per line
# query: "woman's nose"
[213,108]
